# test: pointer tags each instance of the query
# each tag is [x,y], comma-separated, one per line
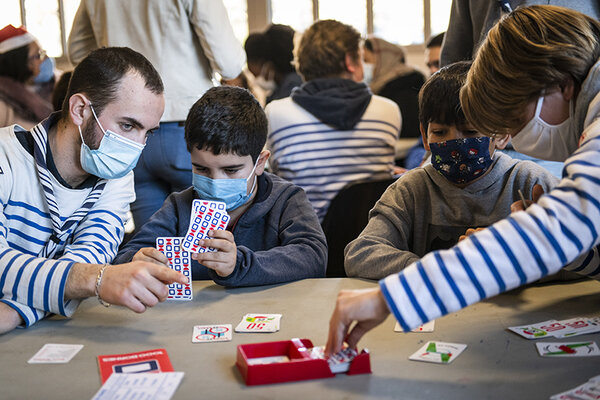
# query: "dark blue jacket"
[279,238]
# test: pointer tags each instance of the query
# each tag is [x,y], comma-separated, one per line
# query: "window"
[405,22]
[400,22]
[351,12]
[11,14]
[43,19]
[440,15]
[298,17]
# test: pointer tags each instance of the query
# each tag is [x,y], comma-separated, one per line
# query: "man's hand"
[536,193]
[469,232]
[9,318]
[223,260]
[367,307]
[150,254]
[237,81]
[138,285]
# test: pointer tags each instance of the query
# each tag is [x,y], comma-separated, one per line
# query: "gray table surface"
[497,363]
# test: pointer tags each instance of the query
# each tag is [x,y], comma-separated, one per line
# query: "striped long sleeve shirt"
[322,159]
[562,229]
[33,285]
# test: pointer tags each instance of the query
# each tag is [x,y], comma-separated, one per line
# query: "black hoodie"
[334,101]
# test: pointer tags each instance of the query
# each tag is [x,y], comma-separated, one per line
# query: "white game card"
[579,326]
[533,331]
[426,327]
[259,323]
[438,352]
[206,215]
[211,333]
[180,261]
[52,353]
[572,349]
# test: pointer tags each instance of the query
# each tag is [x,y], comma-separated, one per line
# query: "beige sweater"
[186,40]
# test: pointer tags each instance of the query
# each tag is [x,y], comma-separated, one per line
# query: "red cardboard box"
[289,360]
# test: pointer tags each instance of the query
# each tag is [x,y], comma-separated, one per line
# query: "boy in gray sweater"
[273,234]
[467,185]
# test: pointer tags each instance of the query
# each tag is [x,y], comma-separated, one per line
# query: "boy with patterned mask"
[467,185]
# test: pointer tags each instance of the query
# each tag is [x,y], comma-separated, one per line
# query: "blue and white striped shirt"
[563,228]
[321,159]
[34,285]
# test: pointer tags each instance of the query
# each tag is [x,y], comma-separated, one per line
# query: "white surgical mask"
[267,84]
[115,156]
[368,72]
[543,140]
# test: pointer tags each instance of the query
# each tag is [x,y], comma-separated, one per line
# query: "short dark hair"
[99,74]
[281,45]
[439,99]
[435,41]
[256,47]
[60,90]
[323,48]
[14,64]
[227,119]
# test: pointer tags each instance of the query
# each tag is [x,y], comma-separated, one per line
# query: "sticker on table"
[572,349]
[211,333]
[52,353]
[438,352]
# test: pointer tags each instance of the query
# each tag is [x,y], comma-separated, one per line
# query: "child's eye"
[471,132]
[231,171]
[438,132]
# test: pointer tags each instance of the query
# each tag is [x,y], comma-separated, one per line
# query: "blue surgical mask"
[46,71]
[462,160]
[233,192]
[115,156]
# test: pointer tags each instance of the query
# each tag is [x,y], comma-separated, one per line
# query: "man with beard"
[65,188]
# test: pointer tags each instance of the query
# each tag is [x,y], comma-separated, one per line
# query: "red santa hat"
[12,38]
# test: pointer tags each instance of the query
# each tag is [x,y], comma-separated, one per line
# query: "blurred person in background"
[270,56]
[433,48]
[21,58]
[388,76]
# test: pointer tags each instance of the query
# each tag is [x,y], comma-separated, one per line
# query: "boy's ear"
[262,161]
[424,136]
[568,89]
[501,142]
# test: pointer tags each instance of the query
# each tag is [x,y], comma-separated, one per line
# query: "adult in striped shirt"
[536,78]
[65,188]
[332,130]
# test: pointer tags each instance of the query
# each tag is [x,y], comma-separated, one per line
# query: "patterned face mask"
[461,160]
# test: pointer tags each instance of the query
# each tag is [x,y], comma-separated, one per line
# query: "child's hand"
[469,232]
[537,192]
[223,260]
[150,254]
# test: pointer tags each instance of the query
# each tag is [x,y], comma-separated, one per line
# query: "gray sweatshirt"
[422,211]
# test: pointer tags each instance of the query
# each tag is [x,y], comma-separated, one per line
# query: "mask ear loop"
[540,103]
[252,173]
